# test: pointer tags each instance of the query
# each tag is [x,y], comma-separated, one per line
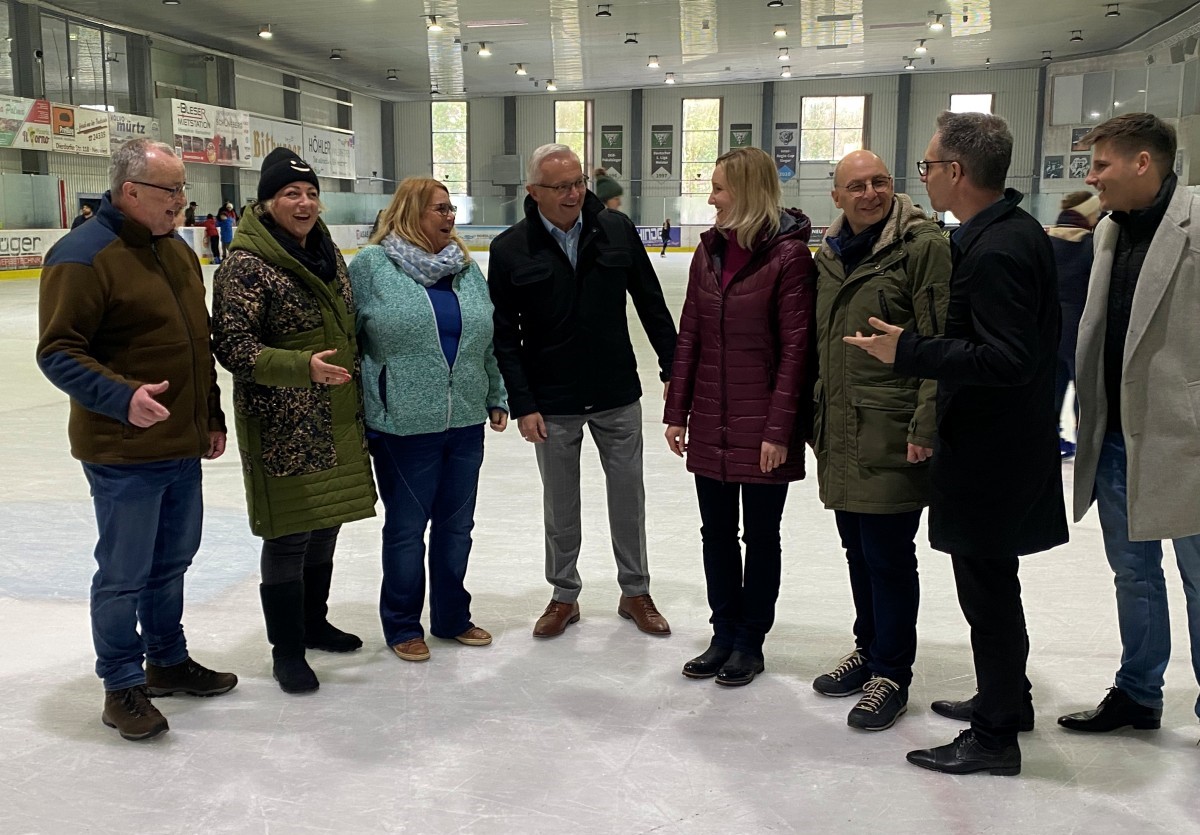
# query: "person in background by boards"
[189,214]
[559,280]
[608,190]
[283,324]
[225,227]
[1071,237]
[85,214]
[666,237]
[124,332]
[213,235]
[740,387]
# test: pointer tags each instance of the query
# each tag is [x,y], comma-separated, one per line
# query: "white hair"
[533,171]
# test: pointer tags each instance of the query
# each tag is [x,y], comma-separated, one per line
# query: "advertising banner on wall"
[214,135]
[330,153]
[786,135]
[612,149]
[662,155]
[24,123]
[124,126]
[741,135]
[78,130]
[267,134]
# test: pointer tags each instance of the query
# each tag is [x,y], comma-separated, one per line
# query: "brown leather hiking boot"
[132,714]
[189,678]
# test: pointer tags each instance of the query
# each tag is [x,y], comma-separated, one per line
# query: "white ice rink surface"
[595,731]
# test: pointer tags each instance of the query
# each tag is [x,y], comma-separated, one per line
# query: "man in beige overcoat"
[1138,375]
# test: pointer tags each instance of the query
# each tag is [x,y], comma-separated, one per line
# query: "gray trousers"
[618,437]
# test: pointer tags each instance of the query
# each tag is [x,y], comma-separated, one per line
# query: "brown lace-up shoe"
[555,619]
[414,650]
[189,678]
[132,714]
[475,637]
[642,611]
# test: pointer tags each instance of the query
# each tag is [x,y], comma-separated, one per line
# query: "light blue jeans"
[1141,587]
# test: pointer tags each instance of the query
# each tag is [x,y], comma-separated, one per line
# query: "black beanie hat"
[281,167]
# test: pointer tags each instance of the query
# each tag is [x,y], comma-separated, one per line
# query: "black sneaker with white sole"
[882,703]
[846,679]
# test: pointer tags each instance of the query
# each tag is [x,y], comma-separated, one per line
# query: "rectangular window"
[449,122]
[572,128]
[701,144]
[971,103]
[831,126]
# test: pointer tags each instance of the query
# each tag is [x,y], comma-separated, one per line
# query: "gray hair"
[533,170]
[980,143]
[129,161]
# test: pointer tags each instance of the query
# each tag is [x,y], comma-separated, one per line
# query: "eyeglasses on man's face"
[175,191]
[562,188]
[877,184]
[923,165]
[444,209]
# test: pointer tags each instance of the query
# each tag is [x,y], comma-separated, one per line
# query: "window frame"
[586,157]
[465,132]
[697,185]
[836,153]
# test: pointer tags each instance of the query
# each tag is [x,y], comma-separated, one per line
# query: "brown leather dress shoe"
[555,619]
[642,611]
[475,637]
[414,650]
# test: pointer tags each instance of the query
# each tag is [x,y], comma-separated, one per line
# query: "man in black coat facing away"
[559,280]
[996,473]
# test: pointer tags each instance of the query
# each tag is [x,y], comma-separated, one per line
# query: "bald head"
[862,189]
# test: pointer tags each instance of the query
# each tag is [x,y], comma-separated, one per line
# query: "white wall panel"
[80,175]
[414,148]
[485,138]
[263,99]
[316,109]
[204,186]
[368,146]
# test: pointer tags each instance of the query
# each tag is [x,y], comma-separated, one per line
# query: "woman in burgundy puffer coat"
[740,388]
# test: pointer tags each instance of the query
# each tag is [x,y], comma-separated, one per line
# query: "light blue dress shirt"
[569,240]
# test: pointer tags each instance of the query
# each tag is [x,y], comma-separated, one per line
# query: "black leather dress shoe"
[966,756]
[707,663]
[962,711]
[740,669]
[1116,710]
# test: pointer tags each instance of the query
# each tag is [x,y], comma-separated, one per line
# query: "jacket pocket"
[818,418]
[932,301]
[530,274]
[383,387]
[614,258]
[883,415]
[883,308]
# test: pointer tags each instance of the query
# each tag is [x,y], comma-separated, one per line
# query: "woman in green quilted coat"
[283,324]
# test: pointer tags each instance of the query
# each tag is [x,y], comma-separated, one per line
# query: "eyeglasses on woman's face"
[444,209]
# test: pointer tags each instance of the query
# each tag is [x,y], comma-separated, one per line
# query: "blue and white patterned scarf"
[425,268]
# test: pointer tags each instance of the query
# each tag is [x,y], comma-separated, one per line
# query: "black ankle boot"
[740,669]
[283,609]
[707,663]
[319,633]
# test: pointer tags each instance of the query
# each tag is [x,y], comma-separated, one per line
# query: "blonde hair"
[403,214]
[753,182]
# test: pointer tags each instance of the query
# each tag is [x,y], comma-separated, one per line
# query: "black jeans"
[284,558]
[742,602]
[882,556]
[989,593]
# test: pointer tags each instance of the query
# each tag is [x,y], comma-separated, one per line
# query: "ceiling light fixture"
[670,79]
[1114,10]
[631,37]
[775,4]
[432,25]
[786,71]
[520,70]
[391,76]
[783,54]
[551,86]
[1046,56]
[170,2]
[921,48]
[780,30]
[603,10]
[264,32]
[936,24]
[652,62]
[1076,35]
[335,55]
[484,52]
[909,64]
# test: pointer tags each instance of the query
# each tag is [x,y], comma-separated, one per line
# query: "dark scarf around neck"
[316,254]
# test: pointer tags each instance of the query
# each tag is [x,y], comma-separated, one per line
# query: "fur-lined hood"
[904,217]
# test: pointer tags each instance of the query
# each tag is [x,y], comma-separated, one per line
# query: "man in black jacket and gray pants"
[995,473]
[558,281]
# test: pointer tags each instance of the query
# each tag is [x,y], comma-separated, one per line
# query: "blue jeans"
[1141,586]
[149,518]
[422,479]
[882,555]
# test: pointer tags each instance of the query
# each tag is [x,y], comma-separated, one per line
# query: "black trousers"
[214,244]
[742,601]
[989,593]
[882,556]
[284,558]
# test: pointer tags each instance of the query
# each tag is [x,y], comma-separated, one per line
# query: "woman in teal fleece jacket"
[430,382]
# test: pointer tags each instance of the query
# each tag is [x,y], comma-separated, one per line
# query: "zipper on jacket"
[932,310]
[191,345]
[437,336]
[883,308]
